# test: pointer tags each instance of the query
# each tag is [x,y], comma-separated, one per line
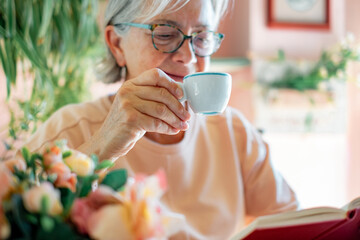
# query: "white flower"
[33,197]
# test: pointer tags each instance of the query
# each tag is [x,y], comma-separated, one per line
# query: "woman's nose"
[185,53]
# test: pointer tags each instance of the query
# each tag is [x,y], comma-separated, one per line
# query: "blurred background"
[295,68]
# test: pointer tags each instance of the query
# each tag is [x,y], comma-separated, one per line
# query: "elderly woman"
[218,167]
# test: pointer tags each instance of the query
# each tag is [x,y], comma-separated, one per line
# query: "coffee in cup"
[207,92]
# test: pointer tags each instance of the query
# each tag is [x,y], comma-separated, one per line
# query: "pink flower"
[64,176]
[134,213]
[33,197]
[83,208]
[80,213]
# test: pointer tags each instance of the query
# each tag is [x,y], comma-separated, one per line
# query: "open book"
[313,223]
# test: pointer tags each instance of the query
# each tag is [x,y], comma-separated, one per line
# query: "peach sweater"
[217,175]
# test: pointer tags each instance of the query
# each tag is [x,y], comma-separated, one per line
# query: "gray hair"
[119,11]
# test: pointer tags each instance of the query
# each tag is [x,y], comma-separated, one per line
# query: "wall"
[295,43]
[352,17]
[353,134]
[235,26]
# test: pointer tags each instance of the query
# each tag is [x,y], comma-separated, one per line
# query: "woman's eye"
[165,36]
[202,42]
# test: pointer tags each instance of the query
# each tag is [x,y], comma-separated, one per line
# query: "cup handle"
[184,98]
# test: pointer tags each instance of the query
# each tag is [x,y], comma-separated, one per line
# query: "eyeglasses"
[168,39]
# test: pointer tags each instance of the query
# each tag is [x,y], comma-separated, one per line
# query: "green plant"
[53,43]
[331,64]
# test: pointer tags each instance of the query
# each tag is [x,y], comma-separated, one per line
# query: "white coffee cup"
[207,92]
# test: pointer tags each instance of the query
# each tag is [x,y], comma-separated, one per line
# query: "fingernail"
[184,125]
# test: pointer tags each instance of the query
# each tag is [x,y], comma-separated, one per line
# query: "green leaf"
[15,213]
[84,184]
[44,205]
[67,199]
[24,126]
[11,17]
[26,155]
[104,164]
[7,145]
[12,133]
[5,65]
[21,175]
[61,231]
[32,163]
[66,154]
[95,159]
[115,179]
[47,223]
[52,177]
[281,55]
[47,13]
[31,218]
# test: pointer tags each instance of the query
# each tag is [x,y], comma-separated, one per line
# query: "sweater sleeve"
[266,191]
[75,123]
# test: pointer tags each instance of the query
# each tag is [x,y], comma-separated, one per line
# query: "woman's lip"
[176,77]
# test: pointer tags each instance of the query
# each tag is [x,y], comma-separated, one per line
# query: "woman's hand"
[147,103]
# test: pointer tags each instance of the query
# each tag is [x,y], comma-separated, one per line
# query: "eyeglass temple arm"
[138,25]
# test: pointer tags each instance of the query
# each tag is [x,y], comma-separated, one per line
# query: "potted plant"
[50,45]
[308,86]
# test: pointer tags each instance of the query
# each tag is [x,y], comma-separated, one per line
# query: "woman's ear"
[113,41]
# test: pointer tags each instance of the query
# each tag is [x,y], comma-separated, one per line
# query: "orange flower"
[64,176]
[52,155]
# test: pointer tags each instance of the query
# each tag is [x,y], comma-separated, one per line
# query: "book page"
[353,204]
[305,216]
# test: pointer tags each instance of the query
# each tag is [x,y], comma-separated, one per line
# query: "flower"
[79,163]
[34,196]
[55,193]
[64,176]
[137,209]
[52,155]
[6,180]
[85,207]
[110,228]
[4,226]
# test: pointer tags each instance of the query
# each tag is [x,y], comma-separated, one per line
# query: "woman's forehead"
[196,13]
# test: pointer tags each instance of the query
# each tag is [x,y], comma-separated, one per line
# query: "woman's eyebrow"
[166,21]
[176,24]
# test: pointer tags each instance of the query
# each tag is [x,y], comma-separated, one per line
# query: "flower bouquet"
[64,194]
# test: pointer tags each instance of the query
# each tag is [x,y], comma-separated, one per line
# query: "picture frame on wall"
[299,14]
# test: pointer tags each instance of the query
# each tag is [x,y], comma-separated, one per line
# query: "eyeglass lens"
[168,39]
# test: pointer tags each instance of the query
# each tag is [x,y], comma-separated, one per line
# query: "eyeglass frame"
[151,27]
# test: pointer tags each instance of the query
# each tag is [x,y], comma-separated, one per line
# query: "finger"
[162,95]
[162,112]
[156,77]
[151,124]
